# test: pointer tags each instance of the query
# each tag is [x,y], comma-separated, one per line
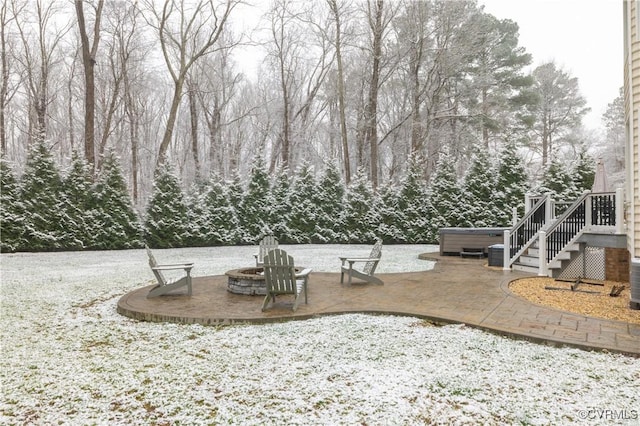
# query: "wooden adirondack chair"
[165,286]
[281,278]
[369,269]
[267,244]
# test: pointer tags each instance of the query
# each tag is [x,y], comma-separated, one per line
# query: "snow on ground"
[69,358]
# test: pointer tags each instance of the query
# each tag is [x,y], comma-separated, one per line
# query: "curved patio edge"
[456,291]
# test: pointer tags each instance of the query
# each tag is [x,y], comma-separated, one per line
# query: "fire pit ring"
[247,281]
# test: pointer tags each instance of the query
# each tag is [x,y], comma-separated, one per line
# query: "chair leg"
[266,302]
[295,303]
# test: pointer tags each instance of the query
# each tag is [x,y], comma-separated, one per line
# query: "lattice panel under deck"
[590,264]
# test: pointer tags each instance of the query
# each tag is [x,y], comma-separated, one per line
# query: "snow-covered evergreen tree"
[557,181]
[445,195]
[479,191]
[44,215]
[218,223]
[235,195]
[11,210]
[512,185]
[329,201]
[166,216]
[118,225]
[255,201]
[80,203]
[584,172]
[302,220]
[361,216]
[279,206]
[413,203]
[391,218]
[196,216]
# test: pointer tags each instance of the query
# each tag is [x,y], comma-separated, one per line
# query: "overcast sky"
[584,37]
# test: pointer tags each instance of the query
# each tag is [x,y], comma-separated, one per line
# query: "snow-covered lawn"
[69,358]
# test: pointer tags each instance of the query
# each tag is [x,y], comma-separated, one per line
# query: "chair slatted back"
[267,244]
[153,263]
[376,252]
[279,272]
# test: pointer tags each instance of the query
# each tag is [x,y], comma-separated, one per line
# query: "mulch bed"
[588,300]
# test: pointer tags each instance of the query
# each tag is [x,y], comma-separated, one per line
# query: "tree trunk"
[371,123]
[341,94]
[193,113]
[485,118]
[4,82]
[89,62]
[545,143]
[171,121]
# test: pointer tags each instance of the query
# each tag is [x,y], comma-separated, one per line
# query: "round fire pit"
[249,281]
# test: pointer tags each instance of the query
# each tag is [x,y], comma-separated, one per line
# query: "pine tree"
[391,218]
[362,220]
[11,210]
[254,202]
[413,203]
[558,182]
[196,215]
[166,215]
[446,203]
[44,215]
[329,200]
[303,210]
[512,185]
[235,194]
[479,191]
[219,223]
[584,172]
[118,224]
[278,214]
[80,205]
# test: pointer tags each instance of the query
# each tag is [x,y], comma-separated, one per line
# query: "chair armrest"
[360,259]
[171,266]
[304,273]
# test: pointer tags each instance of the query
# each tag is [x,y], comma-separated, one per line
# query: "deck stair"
[545,243]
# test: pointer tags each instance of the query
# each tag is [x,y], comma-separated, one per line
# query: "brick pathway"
[455,291]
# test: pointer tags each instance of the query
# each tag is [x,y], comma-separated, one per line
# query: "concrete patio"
[456,291]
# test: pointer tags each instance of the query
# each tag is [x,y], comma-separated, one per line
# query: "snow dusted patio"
[69,358]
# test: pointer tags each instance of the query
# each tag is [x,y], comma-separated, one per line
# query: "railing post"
[549,210]
[506,255]
[543,269]
[588,213]
[620,226]
[527,203]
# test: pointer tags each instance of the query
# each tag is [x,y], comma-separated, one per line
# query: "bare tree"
[218,91]
[186,33]
[378,20]
[40,55]
[126,47]
[89,51]
[285,52]
[6,91]
[336,11]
